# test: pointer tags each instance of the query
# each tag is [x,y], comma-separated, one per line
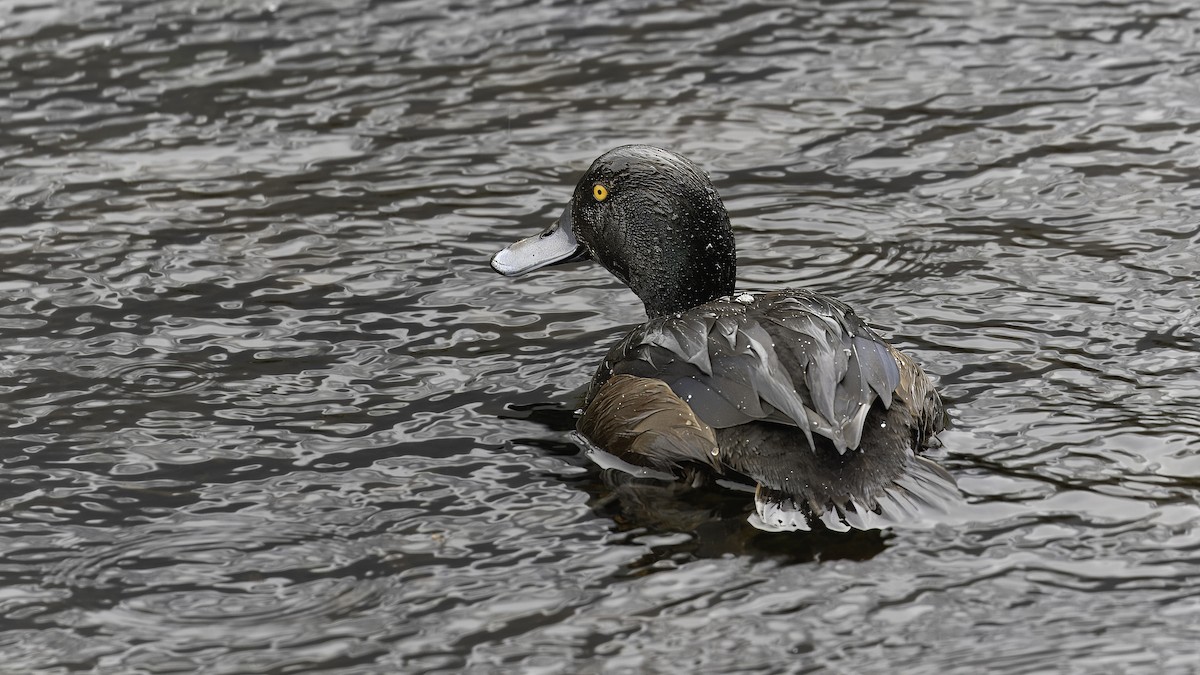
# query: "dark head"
[652,218]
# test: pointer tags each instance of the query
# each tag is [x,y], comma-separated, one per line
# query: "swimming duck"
[788,389]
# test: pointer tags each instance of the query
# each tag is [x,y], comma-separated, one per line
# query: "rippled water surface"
[266,409]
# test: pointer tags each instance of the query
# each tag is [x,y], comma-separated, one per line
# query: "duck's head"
[652,218]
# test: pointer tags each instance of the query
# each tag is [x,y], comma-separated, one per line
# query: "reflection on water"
[265,408]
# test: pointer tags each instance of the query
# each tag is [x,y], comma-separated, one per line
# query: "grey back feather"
[790,357]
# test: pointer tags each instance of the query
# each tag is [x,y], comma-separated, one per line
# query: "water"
[266,409]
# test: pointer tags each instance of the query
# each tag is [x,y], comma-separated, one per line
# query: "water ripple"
[267,409]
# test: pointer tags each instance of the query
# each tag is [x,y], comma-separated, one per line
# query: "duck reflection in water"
[788,392]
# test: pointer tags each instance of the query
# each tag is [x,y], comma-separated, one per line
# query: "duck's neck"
[675,300]
[693,268]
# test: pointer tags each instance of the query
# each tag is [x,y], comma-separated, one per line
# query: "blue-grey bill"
[556,245]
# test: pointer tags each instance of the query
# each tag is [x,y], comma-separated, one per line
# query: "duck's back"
[789,388]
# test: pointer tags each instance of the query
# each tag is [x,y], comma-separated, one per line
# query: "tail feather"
[922,489]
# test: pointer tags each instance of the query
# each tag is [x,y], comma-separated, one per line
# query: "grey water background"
[264,408]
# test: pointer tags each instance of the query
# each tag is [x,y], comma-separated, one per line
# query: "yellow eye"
[599,192]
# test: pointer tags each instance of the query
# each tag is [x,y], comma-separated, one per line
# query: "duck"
[787,392]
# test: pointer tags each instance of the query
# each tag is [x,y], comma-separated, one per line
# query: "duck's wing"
[639,420]
[791,357]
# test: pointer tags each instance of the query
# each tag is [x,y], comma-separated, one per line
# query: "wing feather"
[789,357]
